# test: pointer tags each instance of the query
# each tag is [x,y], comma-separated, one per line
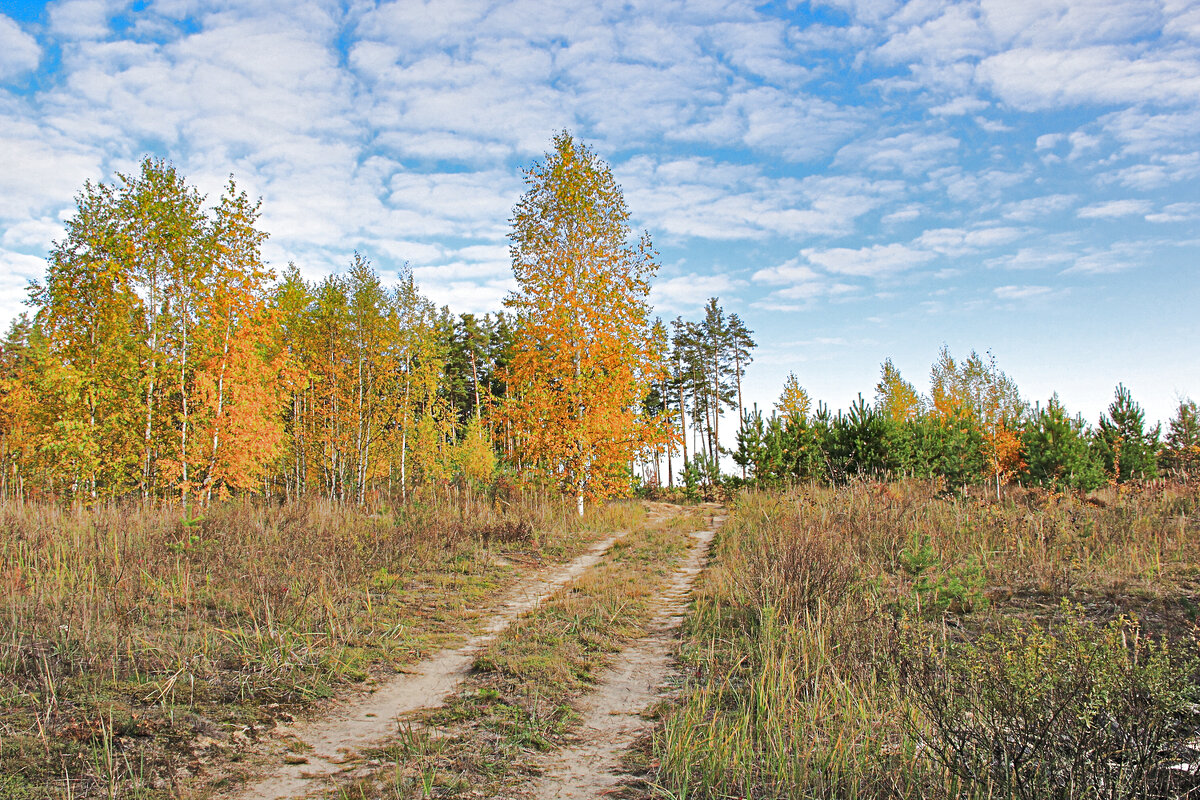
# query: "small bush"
[1072,711]
[802,569]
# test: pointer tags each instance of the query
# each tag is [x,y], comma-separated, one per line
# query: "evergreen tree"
[1057,453]
[1181,448]
[1127,450]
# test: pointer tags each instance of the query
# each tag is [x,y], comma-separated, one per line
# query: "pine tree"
[1127,449]
[1181,448]
[1057,453]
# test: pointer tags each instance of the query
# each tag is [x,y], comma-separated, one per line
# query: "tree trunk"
[737,371]
[183,394]
[683,425]
[210,478]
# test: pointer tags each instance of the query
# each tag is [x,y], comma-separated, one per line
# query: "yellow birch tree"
[583,358]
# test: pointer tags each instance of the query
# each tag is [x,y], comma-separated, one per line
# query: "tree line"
[164,358]
[972,428]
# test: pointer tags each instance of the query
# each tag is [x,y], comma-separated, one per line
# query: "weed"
[1075,710]
[123,612]
[802,680]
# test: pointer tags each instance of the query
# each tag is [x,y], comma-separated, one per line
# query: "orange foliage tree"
[983,393]
[584,357]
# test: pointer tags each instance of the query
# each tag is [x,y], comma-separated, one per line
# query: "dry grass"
[140,646]
[518,700]
[818,600]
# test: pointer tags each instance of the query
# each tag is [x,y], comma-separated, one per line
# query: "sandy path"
[329,743]
[611,713]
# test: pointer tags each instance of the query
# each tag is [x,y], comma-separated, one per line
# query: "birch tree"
[583,358]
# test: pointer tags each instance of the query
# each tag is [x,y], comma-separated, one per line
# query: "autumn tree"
[88,313]
[976,390]
[896,398]
[583,357]
[18,371]
[151,316]
[794,402]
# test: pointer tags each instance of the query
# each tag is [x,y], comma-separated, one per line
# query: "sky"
[857,179]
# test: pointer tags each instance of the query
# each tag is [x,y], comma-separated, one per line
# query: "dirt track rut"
[330,743]
[612,712]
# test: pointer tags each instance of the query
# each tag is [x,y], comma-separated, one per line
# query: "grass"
[890,640]
[518,701]
[140,647]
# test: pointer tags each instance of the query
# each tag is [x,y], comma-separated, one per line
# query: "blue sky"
[858,179]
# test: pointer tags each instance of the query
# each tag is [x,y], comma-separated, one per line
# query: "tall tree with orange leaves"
[584,358]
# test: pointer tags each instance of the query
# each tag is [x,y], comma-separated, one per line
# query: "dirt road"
[322,748]
[612,713]
[316,756]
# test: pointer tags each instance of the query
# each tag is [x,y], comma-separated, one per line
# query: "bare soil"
[612,713]
[306,756]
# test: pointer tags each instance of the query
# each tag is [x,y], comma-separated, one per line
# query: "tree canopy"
[584,357]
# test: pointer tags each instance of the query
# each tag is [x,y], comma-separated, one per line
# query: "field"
[141,649]
[871,640]
[889,640]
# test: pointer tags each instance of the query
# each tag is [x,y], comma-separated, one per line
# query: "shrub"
[1071,711]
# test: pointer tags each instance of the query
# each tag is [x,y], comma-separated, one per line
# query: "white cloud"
[868,11]
[977,187]
[32,234]
[82,19]
[699,197]
[461,270]
[1120,257]
[954,35]
[873,261]
[468,297]
[1176,212]
[1027,292]
[910,153]
[793,271]
[1058,24]
[19,52]
[1048,141]
[42,168]
[687,293]
[960,106]
[801,286]
[906,214]
[1032,80]
[16,271]
[1034,258]
[1115,209]
[1038,208]
[960,241]
[1183,19]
